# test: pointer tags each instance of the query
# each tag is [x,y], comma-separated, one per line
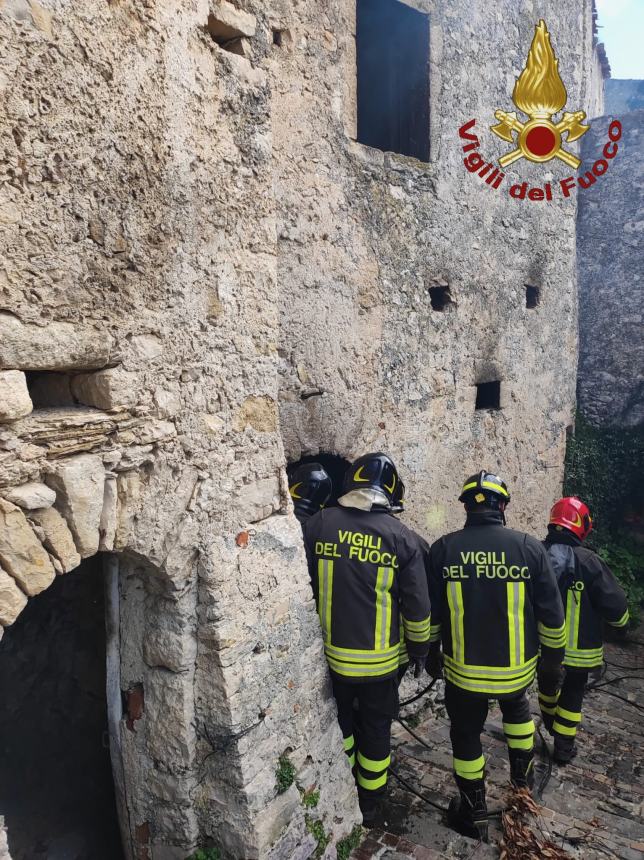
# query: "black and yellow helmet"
[484,488]
[398,501]
[310,488]
[373,471]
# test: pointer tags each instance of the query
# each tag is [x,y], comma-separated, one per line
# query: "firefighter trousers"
[366,730]
[567,711]
[467,713]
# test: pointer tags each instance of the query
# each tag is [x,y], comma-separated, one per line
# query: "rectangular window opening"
[392,50]
[440,298]
[532,296]
[488,395]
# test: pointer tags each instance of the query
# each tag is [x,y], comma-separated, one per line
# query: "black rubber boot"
[467,814]
[565,750]
[370,807]
[521,768]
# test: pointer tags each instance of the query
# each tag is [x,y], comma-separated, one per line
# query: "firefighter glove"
[434,664]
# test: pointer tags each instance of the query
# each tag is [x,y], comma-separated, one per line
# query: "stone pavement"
[592,808]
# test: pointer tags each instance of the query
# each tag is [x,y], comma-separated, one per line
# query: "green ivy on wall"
[605,468]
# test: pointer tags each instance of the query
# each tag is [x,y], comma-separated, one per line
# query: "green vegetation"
[206,854]
[413,720]
[345,846]
[322,838]
[604,467]
[285,773]
[310,798]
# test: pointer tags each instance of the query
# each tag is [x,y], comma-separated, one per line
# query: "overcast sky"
[622,31]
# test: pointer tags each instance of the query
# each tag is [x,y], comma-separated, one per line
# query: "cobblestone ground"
[592,808]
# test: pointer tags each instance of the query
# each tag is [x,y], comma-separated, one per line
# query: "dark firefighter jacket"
[368,578]
[494,601]
[590,593]
[403,657]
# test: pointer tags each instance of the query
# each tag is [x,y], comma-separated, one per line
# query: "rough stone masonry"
[203,272]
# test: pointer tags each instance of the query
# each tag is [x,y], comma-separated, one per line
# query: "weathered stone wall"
[137,232]
[611,355]
[364,234]
[188,228]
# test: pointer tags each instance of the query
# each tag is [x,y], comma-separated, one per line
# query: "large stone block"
[21,553]
[30,496]
[106,389]
[12,600]
[227,22]
[56,346]
[79,485]
[258,500]
[15,401]
[58,539]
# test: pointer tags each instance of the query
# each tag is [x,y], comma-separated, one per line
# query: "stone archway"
[73,487]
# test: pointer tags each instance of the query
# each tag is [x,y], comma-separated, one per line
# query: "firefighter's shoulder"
[528,541]
[447,538]
[590,561]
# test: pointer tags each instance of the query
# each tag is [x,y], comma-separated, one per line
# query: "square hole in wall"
[49,389]
[488,395]
[440,298]
[532,295]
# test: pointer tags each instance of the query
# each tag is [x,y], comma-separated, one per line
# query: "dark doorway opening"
[488,395]
[335,467]
[392,51]
[56,790]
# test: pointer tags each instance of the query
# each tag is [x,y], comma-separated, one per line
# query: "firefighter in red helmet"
[590,595]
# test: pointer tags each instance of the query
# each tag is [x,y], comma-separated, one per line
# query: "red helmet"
[572,514]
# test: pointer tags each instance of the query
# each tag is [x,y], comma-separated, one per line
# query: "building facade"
[207,273]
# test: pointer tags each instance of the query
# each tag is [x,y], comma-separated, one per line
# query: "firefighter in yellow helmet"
[494,602]
[369,580]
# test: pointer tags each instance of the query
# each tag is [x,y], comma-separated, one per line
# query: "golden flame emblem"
[540,93]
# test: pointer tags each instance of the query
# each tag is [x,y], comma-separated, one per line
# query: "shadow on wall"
[56,789]
[335,466]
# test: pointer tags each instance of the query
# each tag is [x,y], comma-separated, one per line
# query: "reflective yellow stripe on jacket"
[384,582]
[325,596]
[456,610]
[575,657]
[516,602]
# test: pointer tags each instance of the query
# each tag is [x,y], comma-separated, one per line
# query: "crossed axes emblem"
[535,135]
